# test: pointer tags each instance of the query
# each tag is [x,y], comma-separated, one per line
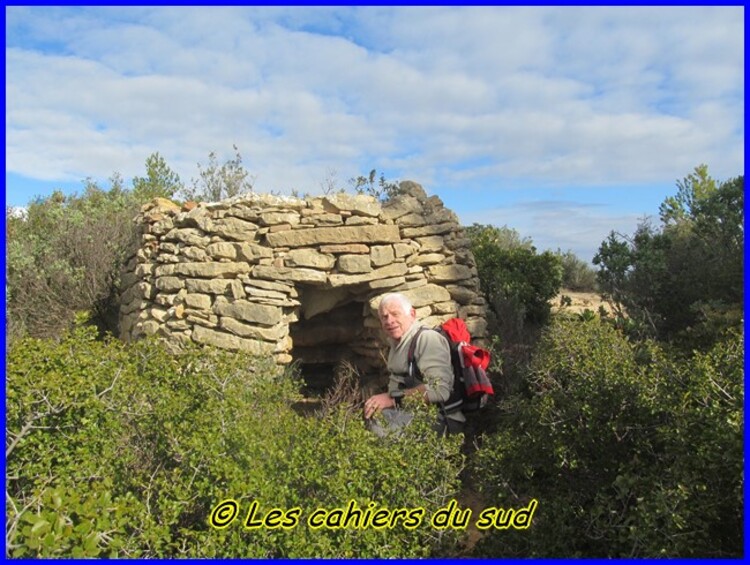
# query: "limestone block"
[203,270]
[309,258]
[359,204]
[201,317]
[234,228]
[159,314]
[401,206]
[215,286]
[194,254]
[393,270]
[385,284]
[276,218]
[235,327]
[426,259]
[169,284]
[472,310]
[252,252]
[427,294]
[199,217]
[448,273]
[437,229]
[167,247]
[339,249]
[402,250]
[149,327]
[324,220]
[198,301]
[360,221]
[188,236]
[445,308]
[232,342]
[248,311]
[271,272]
[142,290]
[161,227]
[354,264]
[461,294]
[431,243]
[381,255]
[342,234]
[270,285]
[243,213]
[222,250]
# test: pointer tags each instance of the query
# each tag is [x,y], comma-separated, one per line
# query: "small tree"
[683,281]
[217,182]
[383,189]
[160,180]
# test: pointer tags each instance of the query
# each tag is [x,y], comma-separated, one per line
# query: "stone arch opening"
[334,327]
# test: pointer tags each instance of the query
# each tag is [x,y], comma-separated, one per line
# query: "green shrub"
[628,452]
[122,450]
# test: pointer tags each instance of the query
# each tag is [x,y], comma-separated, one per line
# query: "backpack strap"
[455,400]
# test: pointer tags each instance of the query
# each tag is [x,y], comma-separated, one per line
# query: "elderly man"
[433,378]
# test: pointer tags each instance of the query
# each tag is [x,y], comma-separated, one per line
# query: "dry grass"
[579,301]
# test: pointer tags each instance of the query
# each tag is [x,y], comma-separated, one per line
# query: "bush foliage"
[629,452]
[124,451]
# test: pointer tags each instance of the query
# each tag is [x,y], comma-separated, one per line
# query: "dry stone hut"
[299,279]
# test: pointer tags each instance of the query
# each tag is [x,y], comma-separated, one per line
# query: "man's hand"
[378,402]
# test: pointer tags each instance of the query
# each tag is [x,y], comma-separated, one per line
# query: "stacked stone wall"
[296,278]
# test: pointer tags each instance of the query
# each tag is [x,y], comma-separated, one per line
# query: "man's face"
[394,321]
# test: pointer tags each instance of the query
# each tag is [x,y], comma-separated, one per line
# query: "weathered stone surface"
[275,218]
[194,254]
[270,272]
[215,286]
[222,250]
[421,296]
[309,258]
[394,270]
[339,249]
[428,230]
[203,270]
[253,332]
[425,259]
[228,341]
[449,273]
[381,255]
[401,206]
[248,311]
[359,204]
[234,228]
[343,234]
[198,301]
[252,252]
[188,236]
[354,264]
[169,284]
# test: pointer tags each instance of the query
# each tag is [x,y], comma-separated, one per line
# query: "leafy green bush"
[122,450]
[64,256]
[513,273]
[628,452]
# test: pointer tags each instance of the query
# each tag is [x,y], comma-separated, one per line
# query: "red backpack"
[471,386]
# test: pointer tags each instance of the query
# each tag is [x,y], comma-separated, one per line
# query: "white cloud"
[566,95]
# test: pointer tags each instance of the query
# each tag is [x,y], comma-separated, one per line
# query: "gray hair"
[402,300]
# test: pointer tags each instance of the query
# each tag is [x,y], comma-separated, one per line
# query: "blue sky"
[562,123]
